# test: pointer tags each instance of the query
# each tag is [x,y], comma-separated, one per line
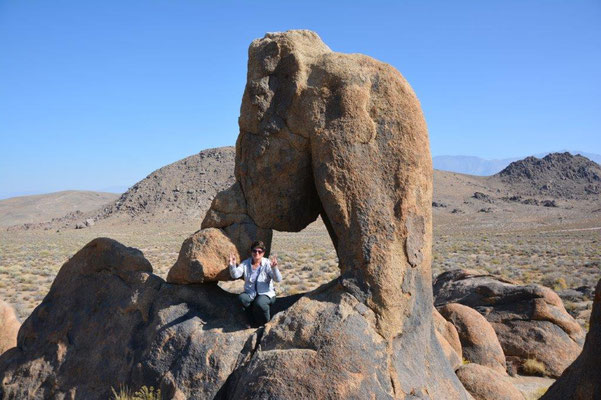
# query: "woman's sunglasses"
[258,251]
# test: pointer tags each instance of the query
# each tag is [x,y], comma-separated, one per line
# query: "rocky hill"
[560,175]
[44,207]
[180,191]
[183,189]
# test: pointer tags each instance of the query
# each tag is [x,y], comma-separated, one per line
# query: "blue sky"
[98,94]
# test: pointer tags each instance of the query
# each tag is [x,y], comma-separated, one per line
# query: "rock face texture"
[321,133]
[108,320]
[479,341]
[487,384]
[582,379]
[9,327]
[530,321]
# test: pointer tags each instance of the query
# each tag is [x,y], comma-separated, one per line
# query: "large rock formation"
[530,321]
[342,136]
[321,133]
[9,327]
[582,379]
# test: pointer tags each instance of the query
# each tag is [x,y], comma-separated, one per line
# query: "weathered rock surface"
[479,341]
[226,229]
[530,320]
[9,327]
[198,262]
[77,342]
[321,133]
[447,336]
[582,379]
[487,384]
[108,320]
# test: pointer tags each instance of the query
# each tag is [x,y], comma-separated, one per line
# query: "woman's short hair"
[258,244]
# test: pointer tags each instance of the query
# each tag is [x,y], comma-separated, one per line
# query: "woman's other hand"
[274,261]
[232,260]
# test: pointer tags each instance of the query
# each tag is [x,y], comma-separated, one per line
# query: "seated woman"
[259,274]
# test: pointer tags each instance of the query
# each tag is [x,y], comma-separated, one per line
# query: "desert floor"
[559,256]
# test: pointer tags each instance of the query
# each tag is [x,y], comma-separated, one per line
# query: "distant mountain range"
[483,167]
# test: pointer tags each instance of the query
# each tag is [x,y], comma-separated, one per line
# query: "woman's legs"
[261,308]
[246,301]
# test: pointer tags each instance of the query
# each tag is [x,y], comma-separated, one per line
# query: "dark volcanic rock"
[183,189]
[483,197]
[530,321]
[558,174]
[177,192]
[582,379]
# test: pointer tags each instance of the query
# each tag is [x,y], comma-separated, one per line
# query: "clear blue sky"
[98,94]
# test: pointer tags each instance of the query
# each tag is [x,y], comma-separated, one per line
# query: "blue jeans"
[259,306]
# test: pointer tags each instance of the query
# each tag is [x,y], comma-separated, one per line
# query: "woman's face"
[257,253]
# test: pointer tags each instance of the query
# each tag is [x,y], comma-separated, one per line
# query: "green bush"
[145,393]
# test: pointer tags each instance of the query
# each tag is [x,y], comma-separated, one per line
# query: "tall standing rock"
[341,136]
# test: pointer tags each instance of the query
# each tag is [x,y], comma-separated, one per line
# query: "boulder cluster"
[321,134]
[505,329]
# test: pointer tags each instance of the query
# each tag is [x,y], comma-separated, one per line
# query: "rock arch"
[341,136]
[321,133]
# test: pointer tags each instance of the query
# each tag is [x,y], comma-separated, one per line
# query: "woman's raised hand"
[274,261]
[232,259]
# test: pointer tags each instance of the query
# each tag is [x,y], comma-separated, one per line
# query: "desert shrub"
[534,367]
[145,393]
[560,284]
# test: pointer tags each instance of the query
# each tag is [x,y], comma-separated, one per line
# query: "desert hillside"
[44,207]
[559,187]
[180,191]
[176,193]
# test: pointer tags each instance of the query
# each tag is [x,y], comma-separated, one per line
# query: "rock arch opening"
[307,260]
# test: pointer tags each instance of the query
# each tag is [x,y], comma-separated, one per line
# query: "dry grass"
[29,260]
[534,367]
